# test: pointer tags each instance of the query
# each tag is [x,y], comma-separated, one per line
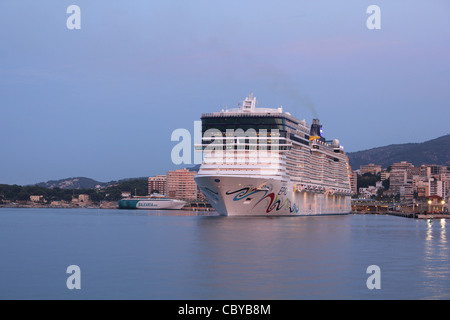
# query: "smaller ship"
[151,202]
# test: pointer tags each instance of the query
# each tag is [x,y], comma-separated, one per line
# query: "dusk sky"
[102,101]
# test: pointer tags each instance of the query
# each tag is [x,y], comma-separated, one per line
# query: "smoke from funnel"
[299,100]
[279,82]
[282,84]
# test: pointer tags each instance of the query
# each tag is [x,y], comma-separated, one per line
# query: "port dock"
[408,214]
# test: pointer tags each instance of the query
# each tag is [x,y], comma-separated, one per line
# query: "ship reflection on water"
[274,258]
[322,257]
[140,254]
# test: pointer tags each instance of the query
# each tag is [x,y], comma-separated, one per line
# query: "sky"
[102,101]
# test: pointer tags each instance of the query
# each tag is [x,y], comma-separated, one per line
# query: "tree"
[366,180]
[137,187]
[114,195]
[11,192]
[97,196]
[380,193]
[23,195]
[66,197]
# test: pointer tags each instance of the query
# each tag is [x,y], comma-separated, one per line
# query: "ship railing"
[243,146]
[256,174]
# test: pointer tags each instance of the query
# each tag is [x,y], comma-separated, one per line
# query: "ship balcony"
[234,166]
[258,147]
[243,160]
[242,172]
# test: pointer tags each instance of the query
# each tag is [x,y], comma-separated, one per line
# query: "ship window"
[244,123]
[302,141]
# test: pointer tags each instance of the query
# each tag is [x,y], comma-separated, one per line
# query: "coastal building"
[400,175]
[418,182]
[406,192]
[410,183]
[368,193]
[158,184]
[437,170]
[60,204]
[448,182]
[406,166]
[422,188]
[448,202]
[370,168]
[125,194]
[354,182]
[437,187]
[398,178]
[181,185]
[385,175]
[83,198]
[448,179]
[36,198]
[434,204]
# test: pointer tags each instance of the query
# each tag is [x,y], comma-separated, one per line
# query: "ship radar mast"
[249,104]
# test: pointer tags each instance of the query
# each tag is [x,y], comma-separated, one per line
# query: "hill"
[66,189]
[79,183]
[436,151]
[71,183]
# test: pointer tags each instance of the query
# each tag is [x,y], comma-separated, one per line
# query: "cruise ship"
[152,202]
[263,161]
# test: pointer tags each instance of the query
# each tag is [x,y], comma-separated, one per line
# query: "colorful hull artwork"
[275,202]
[259,197]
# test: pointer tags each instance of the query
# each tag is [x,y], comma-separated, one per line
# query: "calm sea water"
[183,255]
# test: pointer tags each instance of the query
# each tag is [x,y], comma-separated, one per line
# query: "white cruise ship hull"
[256,196]
[261,161]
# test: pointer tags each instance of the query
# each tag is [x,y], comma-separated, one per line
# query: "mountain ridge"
[81,183]
[70,183]
[435,151]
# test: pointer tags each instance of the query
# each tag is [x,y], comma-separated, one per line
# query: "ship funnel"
[316,130]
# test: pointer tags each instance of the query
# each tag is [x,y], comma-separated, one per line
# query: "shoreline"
[28,206]
[112,205]
[416,215]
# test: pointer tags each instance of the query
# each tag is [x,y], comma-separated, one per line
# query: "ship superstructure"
[263,161]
